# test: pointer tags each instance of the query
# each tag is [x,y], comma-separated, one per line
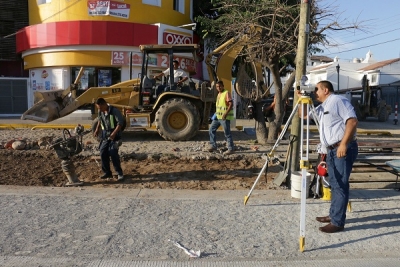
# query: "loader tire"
[357,110]
[383,114]
[177,119]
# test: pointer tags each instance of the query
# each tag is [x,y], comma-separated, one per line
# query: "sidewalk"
[75,118]
[84,117]
[42,226]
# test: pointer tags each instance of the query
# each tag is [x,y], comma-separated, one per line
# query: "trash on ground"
[255,148]
[191,252]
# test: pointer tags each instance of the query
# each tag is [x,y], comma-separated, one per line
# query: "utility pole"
[301,62]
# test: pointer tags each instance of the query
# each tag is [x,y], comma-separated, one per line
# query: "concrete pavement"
[43,226]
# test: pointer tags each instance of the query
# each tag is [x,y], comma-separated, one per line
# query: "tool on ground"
[65,148]
[284,174]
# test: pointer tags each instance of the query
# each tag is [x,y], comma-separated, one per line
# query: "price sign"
[186,64]
[118,58]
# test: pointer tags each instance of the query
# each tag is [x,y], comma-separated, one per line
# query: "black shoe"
[106,176]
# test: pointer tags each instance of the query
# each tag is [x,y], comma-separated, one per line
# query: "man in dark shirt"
[111,123]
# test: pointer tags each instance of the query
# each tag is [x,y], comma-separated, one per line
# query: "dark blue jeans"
[109,148]
[226,125]
[339,170]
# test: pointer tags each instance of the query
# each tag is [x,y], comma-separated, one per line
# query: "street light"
[338,70]
[193,25]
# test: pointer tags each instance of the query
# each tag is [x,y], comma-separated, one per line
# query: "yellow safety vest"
[110,123]
[222,107]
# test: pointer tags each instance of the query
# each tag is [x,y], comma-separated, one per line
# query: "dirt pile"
[43,168]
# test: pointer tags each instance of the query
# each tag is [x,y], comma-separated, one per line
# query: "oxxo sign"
[173,38]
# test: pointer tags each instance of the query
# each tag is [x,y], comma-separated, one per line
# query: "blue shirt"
[333,114]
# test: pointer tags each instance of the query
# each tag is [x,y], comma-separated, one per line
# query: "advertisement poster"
[104,78]
[46,79]
[108,8]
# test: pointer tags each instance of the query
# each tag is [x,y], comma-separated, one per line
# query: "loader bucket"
[47,108]
[49,104]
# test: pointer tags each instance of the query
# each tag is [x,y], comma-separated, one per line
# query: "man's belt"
[338,144]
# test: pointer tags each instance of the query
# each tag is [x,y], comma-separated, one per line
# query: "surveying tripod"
[305,100]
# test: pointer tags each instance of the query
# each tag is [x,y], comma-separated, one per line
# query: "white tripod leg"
[303,209]
[304,165]
[246,198]
[270,154]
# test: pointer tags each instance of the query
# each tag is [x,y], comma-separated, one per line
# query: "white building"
[349,75]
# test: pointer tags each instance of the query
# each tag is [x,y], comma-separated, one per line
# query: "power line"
[364,47]
[370,37]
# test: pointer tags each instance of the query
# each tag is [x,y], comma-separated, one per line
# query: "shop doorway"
[96,77]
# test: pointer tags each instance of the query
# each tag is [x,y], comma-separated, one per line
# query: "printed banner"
[46,79]
[108,8]
[121,58]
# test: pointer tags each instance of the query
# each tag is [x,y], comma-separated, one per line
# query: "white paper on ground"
[191,252]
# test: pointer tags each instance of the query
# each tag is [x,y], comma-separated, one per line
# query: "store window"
[96,77]
[40,2]
[152,2]
[179,5]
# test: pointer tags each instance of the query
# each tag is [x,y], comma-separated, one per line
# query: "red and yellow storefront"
[100,36]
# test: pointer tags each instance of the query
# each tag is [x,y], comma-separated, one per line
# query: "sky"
[379,21]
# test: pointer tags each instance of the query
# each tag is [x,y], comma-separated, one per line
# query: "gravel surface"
[91,223]
[138,224]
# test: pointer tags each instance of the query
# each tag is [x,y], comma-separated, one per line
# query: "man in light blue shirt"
[338,127]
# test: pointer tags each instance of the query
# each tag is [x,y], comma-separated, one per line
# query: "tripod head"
[305,87]
[306,90]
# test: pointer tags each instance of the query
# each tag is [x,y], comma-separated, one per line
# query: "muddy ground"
[43,168]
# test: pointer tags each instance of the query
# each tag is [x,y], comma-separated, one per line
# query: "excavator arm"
[219,62]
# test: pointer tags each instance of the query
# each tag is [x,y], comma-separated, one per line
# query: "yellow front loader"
[177,113]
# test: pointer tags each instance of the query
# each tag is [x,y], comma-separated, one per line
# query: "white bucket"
[295,184]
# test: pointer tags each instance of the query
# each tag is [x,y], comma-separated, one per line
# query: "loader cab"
[161,57]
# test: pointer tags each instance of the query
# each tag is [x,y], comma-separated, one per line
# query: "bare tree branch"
[278,21]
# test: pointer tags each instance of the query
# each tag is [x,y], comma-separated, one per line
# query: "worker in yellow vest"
[111,123]
[222,116]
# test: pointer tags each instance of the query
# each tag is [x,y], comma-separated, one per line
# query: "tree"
[275,46]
